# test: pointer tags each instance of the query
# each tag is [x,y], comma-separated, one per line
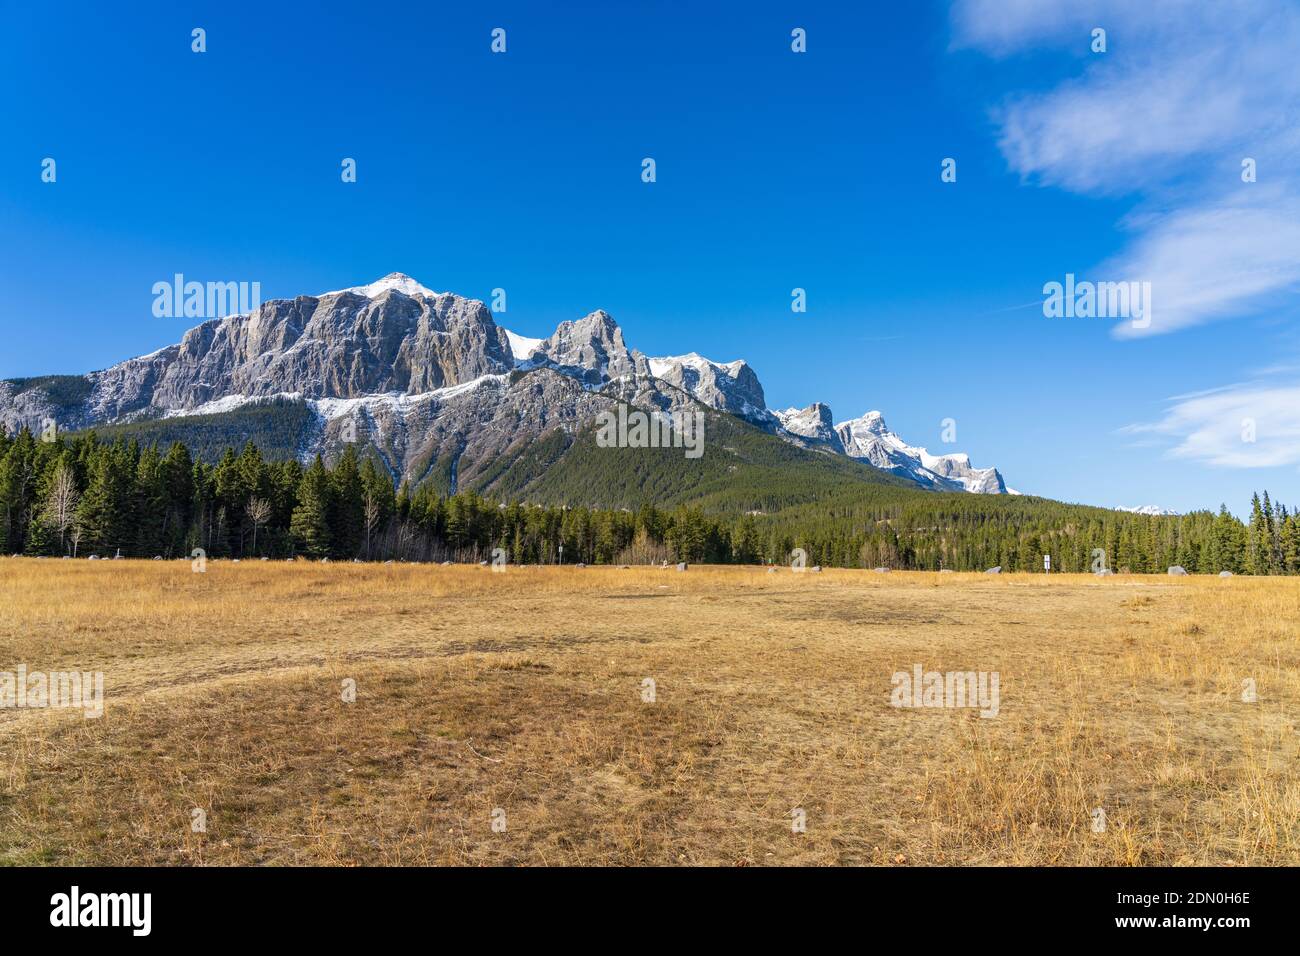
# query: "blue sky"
[775,170]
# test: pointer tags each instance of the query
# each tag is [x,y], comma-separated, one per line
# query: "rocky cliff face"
[591,350]
[429,378]
[814,423]
[340,345]
[732,388]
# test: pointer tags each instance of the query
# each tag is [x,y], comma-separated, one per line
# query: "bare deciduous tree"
[372,518]
[61,505]
[404,535]
[259,512]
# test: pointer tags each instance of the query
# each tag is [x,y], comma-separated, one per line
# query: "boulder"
[997,570]
[1178,569]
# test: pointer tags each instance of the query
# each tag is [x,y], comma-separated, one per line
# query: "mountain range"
[438,389]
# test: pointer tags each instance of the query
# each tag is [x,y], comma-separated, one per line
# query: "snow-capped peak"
[693,360]
[873,422]
[1153,510]
[870,439]
[730,386]
[394,281]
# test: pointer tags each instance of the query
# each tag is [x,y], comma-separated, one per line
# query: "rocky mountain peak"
[814,423]
[592,348]
[731,387]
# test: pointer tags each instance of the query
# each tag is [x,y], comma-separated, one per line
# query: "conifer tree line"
[81,496]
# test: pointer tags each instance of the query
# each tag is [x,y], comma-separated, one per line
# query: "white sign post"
[1047,562]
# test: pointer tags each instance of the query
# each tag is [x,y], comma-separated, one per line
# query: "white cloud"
[1253,425]
[1184,93]
[1211,261]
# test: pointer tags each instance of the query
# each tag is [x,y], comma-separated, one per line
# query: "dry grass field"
[523,691]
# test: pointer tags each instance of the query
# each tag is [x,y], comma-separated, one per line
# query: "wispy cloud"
[1253,425]
[1186,91]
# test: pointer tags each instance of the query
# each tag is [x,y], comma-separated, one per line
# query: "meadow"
[342,714]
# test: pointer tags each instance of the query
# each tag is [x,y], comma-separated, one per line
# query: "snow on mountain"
[729,387]
[394,281]
[331,408]
[869,439]
[521,347]
[1153,510]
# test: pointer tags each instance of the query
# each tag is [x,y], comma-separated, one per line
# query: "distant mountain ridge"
[428,377]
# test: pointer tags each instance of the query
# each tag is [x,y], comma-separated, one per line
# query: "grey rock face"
[28,408]
[731,388]
[814,423]
[470,426]
[342,345]
[591,349]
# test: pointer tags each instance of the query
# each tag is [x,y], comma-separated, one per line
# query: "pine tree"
[347,514]
[178,498]
[1227,543]
[309,527]
[1290,538]
[104,512]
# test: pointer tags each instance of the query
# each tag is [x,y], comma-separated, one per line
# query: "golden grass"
[523,691]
